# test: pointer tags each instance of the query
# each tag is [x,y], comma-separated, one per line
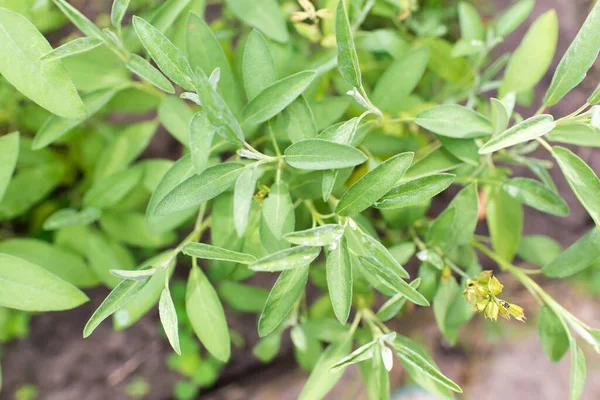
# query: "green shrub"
[313,138]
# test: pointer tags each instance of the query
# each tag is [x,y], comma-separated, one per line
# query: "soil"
[64,366]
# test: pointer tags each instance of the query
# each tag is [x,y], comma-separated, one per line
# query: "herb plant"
[313,138]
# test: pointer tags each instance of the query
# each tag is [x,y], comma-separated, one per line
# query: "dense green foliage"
[313,139]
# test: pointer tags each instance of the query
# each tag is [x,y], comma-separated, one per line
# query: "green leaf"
[578,59]
[205,313]
[322,379]
[297,120]
[273,99]
[463,224]
[9,152]
[504,216]
[263,15]
[323,235]
[471,27]
[47,84]
[29,287]
[436,161]
[374,185]
[104,254]
[64,264]
[394,304]
[415,191]
[168,319]
[81,21]
[56,127]
[535,194]
[70,217]
[243,191]
[382,254]
[319,154]
[578,372]
[201,138]
[499,115]
[116,299]
[454,121]
[118,10]
[292,258]
[198,189]
[525,131]
[577,134]
[580,255]
[554,337]
[530,61]
[176,117]
[465,150]
[135,275]
[391,279]
[205,52]
[277,218]
[178,173]
[130,228]
[339,280]
[538,249]
[364,352]
[450,309]
[168,57]
[400,79]
[347,58]
[243,298]
[595,96]
[145,70]
[408,356]
[582,179]
[209,252]
[109,191]
[267,348]
[513,17]
[218,113]
[258,66]
[77,46]
[285,293]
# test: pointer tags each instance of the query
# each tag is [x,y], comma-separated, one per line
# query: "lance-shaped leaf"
[525,131]
[530,61]
[415,191]
[554,337]
[454,121]
[81,21]
[578,59]
[218,113]
[292,258]
[363,353]
[339,280]
[513,17]
[392,280]
[69,217]
[29,287]
[198,189]
[394,304]
[77,46]
[504,216]
[373,185]
[537,195]
[415,360]
[116,299]
[277,218]
[323,235]
[9,152]
[135,274]
[382,254]
[168,319]
[168,57]
[580,255]
[258,66]
[263,15]
[201,137]
[347,58]
[285,293]
[273,99]
[209,252]
[55,126]
[582,179]
[471,27]
[117,12]
[242,297]
[499,116]
[47,84]
[107,192]
[577,134]
[436,161]
[322,379]
[242,198]
[319,154]
[578,371]
[205,313]
[145,70]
